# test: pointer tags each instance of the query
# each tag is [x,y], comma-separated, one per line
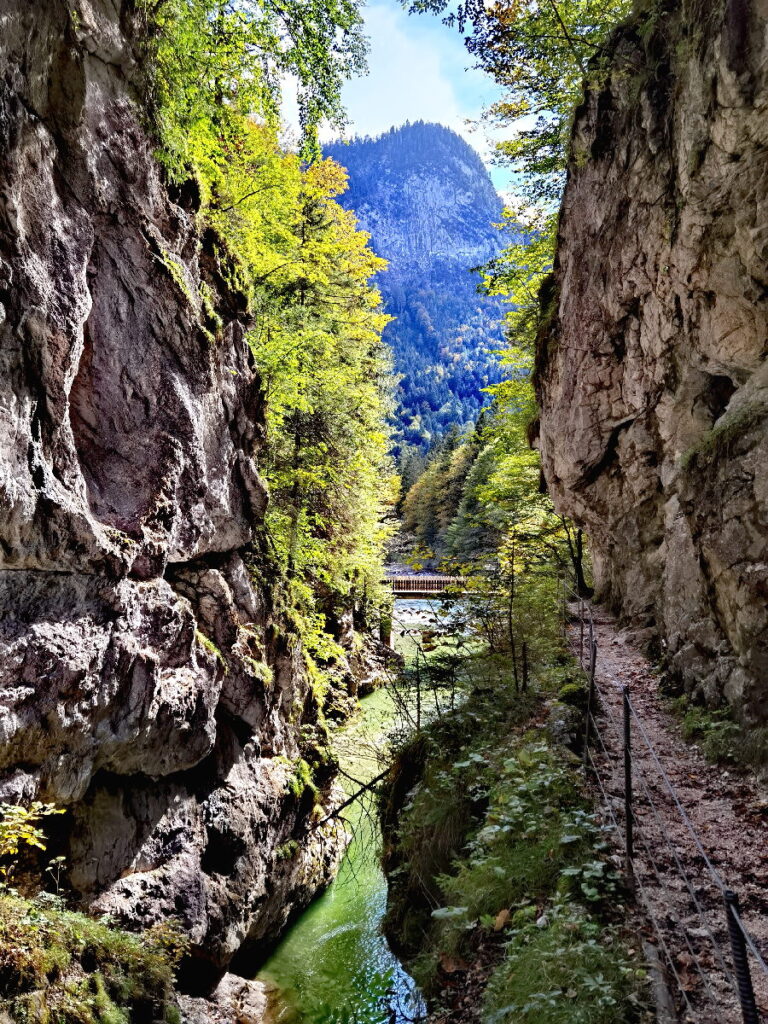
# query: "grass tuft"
[61,967]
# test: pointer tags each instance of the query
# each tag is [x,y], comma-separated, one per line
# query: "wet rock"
[234,1001]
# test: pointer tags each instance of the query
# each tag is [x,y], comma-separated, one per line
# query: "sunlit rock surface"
[652,374]
[144,682]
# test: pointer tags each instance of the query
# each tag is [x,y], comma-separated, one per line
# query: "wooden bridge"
[416,585]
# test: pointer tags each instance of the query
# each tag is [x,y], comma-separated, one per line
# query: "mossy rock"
[574,695]
[723,439]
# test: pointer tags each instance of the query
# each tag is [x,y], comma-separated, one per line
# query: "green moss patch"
[60,967]
[722,439]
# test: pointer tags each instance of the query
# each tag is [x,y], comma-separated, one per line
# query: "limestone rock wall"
[144,682]
[652,373]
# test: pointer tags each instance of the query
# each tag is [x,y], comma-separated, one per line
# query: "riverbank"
[504,900]
[335,965]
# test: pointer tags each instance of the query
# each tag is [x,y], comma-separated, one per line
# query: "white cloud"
[418,70]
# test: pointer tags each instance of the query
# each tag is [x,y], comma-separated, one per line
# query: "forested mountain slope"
[428,201]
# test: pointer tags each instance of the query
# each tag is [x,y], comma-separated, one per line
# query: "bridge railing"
[421,584]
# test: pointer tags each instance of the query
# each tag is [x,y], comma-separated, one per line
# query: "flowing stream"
[334,965]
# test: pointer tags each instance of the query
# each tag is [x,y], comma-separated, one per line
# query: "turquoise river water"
[334,965]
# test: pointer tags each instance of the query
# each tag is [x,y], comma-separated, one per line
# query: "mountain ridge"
[428,202]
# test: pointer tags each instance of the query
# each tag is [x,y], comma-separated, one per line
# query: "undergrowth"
[720,738]
[496,855]
[61,967]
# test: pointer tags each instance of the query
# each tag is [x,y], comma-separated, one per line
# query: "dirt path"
[726,810]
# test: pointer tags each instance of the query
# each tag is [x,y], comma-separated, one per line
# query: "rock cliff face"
[652,372]
[144,682]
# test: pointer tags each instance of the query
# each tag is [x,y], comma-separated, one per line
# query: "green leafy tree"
[540,52]
[302,270]
[208,60]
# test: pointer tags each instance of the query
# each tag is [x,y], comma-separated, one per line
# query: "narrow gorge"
[383,521]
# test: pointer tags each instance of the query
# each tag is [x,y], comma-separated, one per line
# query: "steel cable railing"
[652,860]
[663,831]
[742,942]
[645,898]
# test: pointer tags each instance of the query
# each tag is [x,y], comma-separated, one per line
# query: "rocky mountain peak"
[428,202]
[425,196]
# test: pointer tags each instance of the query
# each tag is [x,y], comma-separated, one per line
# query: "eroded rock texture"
[144,683]
[652,374]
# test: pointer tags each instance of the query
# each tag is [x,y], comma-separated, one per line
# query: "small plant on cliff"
[60,966]
[21,827]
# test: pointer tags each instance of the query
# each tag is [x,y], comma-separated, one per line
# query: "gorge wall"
[146,683]
[652,373]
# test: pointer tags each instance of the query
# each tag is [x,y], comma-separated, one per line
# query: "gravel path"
[726,810]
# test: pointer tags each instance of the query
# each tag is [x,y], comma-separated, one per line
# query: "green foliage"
[20,827]
[572,971]
[317,341]
[541,52]
[431,503]
[452,762]
[497,838]
[573,694]
[720,738]
[209,61]
[299,778]
[536,833]
[492,839]
[59,967]
[326,374]
[207,644]
[170,940]
[715,731]
[720,441]
[287,851]
[286,249]
[517,275]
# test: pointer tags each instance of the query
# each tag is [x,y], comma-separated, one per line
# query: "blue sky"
[419,70]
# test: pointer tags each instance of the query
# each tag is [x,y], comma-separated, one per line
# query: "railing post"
[590,699]
[628,777]
[565,613]
[740,961]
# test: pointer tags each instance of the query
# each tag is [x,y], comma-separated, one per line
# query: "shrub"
[570,972]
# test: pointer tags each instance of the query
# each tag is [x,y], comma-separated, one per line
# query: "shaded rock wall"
[144,681]
[652,373]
